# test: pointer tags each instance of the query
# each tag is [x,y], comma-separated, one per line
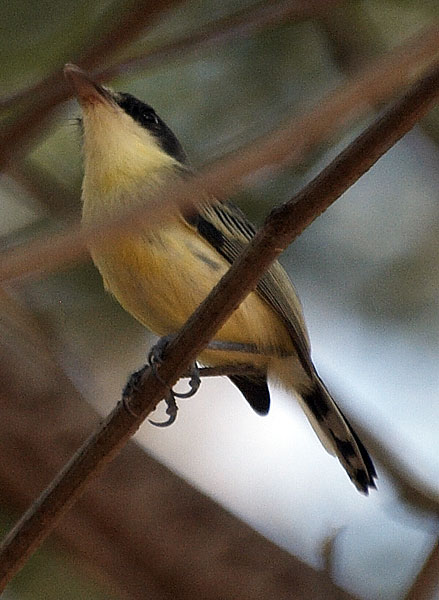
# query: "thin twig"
[327,551]
[282,226]
[286,145]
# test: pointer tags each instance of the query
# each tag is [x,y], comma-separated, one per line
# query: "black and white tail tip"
[339,438]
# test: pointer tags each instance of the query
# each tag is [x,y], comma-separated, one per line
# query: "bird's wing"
[228,231]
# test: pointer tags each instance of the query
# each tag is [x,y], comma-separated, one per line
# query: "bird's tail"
[329,423]
[337,435]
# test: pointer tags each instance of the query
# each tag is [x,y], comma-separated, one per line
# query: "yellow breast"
[161,278]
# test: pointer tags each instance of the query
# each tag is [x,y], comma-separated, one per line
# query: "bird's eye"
[150,117]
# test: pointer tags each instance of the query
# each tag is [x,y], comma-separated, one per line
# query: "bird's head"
[125,141]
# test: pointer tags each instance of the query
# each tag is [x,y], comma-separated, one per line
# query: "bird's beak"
[86,90]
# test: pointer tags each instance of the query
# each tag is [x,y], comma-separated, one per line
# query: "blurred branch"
[286,145]
[239,25]
[54,197]
[353,39]
[138,16]
[141,530]
[46,96]
[411,488]
[243,24]
[34,382]
[282,226]
[23,336]
[414,492]
[417,54]
[328,550]
[426,584]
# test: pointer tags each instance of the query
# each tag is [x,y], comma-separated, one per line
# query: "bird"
[160,274]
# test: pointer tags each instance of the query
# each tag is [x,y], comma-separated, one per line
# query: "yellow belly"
[161,278]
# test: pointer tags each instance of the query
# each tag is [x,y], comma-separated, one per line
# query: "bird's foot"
[132,387]
[155,357]
[157,353]
[194,383]
[171,411]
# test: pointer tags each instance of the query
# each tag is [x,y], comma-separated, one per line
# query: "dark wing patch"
[208,231]
[255,391]
[227,229]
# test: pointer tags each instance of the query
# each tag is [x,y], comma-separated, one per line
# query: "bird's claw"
[194,383]
[171,410]
[155,357]
[134,382]
[157,352]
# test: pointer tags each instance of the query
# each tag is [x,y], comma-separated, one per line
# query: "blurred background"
[366,272]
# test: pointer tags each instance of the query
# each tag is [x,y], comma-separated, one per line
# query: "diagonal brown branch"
[286,145]
[137,512]
[281,227]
